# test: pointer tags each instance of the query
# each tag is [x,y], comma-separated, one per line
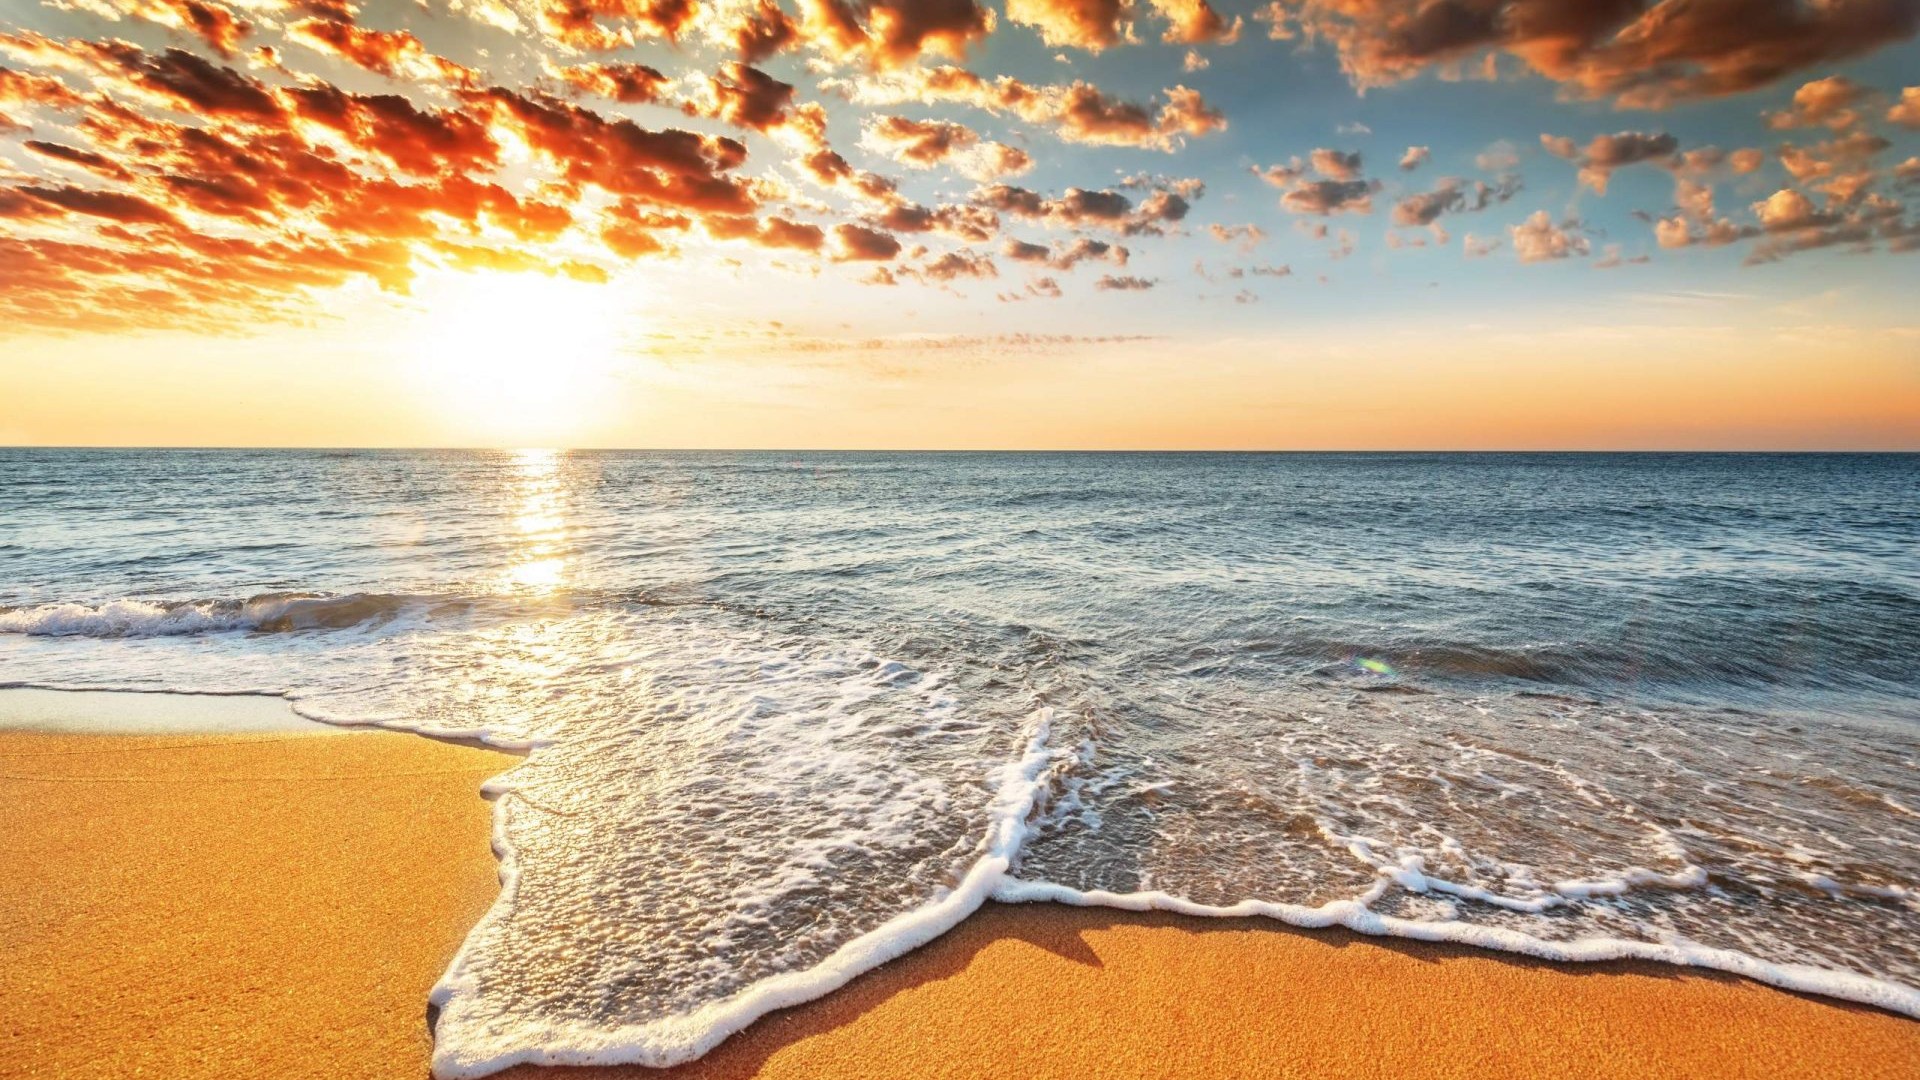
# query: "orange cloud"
[396,54]
[957,264]
[1642,55]
[31,201]
[633,84]
[1675,232]
[1077,112]
[1606,153]
[174,78]
[1246,236]
[415,140]
[1539,239]
[1826,102]
[1324,197]
[1095,25]
[27,88]
[758,31]
[1081,208]
[212,23]
[894,33]
[1851,153]
[1452,195]
[1906,111]
[1195,22]
[331,184]
[577,23]
[971,224]
[923,144]
[152,165]
[828,169]
[1067,257]
[1792,224]
[747,97]
[1082,24]
[632,230]
[85,159]
[856,242]
[1336,164]
[771,232]
[670,167]
[919,143]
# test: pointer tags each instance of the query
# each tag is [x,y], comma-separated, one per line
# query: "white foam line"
[459,1053]
[1355,916]
[482,736]
[1410,873]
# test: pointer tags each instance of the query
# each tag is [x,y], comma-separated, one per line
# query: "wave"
[468,1042]
[1673,659]
[267,613]
[1355,915]
[474,1038]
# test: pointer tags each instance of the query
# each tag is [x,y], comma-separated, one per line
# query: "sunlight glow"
[539,518]
[517,357]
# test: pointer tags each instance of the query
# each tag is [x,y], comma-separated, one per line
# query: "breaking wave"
[267,613]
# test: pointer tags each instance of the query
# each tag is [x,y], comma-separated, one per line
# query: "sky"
[965,224]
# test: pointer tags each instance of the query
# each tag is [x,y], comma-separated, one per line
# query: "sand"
[278,905]
[260,905]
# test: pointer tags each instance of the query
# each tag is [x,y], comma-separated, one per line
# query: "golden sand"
[277,906]
[265,905]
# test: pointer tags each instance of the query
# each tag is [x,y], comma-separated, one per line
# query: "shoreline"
[279,904]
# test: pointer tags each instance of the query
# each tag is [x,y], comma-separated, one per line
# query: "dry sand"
[263,905]
[277,906]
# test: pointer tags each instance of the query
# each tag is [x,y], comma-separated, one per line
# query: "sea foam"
[470,1041]
[1355,915]
[266,613]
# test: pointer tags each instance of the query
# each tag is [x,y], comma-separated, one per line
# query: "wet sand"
[277,905]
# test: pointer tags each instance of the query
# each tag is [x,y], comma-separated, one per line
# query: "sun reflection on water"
[539,504]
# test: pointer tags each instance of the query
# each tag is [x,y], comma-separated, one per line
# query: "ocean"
[788,715]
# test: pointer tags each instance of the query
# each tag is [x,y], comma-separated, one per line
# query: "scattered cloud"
[922,144]
[304,146]
[1080,208]
[1605,153]
[1639,55]
[1906,111]
[1452,195]
[1326,197]
[856,242]
[1829,102]
[1540,239]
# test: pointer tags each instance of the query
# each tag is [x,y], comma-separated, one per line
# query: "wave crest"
[268,613]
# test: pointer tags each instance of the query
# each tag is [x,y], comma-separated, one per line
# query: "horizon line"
[1729,451]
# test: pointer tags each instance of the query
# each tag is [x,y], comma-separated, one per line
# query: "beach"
[278,905]
[263,904]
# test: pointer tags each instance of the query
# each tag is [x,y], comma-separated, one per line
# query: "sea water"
[792,714]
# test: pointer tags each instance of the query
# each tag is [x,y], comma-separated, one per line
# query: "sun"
[517,359]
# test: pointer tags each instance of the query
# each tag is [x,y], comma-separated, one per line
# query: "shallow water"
[109,712]
[793,714]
